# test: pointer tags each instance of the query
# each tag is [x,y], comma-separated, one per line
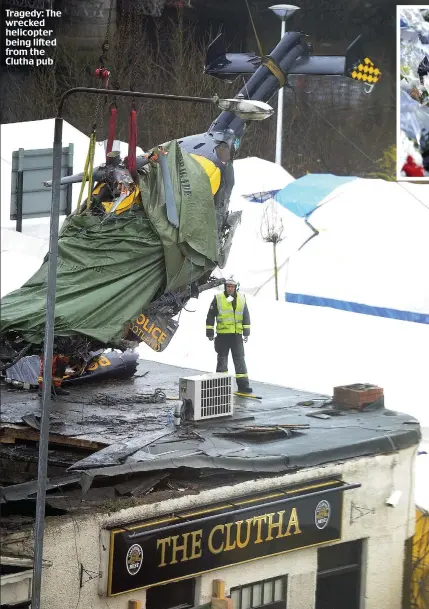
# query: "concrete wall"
[71,542]
[86,21]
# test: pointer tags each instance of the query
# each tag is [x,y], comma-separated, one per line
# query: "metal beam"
[121,93]
[47,362]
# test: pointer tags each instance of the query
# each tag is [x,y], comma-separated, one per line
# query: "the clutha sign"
[174,548]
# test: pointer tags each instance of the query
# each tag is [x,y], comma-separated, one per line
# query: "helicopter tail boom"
[223,65]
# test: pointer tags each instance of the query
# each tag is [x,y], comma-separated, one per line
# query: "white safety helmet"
[233,282]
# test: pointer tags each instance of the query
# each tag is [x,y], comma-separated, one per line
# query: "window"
[269,593]
[178,595]
[339,575]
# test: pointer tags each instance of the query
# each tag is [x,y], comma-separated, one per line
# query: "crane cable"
[111,130]
[266,60]
[88,171]
[103,74]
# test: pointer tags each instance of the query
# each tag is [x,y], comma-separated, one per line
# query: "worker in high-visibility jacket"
[229,309]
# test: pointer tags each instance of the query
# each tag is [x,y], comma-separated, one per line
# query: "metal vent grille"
[210,395]
[215,397]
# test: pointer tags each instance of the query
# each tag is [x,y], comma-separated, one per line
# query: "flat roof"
[132,442]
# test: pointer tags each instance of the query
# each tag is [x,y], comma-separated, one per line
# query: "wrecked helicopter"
[154,227]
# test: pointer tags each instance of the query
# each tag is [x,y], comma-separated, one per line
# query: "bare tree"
[272,232]
[330,125]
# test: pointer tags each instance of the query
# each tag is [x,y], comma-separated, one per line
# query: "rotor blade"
[98,176]
[170,201]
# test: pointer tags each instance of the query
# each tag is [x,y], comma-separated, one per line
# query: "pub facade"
[321,538]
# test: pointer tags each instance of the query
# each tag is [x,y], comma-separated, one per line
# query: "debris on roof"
[125,449]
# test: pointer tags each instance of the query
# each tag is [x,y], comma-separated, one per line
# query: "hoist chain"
[96,112]
[123,42]
[105,45]
[103,74]
[135,35]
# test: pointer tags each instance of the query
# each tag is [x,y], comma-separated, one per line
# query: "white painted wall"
[16,587]
[71,541]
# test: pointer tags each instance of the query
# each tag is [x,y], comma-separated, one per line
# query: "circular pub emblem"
[134,559]
[322,514]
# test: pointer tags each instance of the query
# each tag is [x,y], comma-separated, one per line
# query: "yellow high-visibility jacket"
[231,317]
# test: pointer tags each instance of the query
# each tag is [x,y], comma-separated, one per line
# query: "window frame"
[353,565]
[346,567]
[178,605]
[281,604]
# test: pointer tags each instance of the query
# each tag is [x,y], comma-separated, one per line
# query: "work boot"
[60,391]
[245,389]
[54,391]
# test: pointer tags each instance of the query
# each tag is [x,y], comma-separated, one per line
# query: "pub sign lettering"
[175,548]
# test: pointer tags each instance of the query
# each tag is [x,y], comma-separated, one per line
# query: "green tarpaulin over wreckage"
[109,271]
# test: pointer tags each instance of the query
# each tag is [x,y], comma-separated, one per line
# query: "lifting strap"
[132,143]
[112,128]
[88,172]
[266,60]
[132,128]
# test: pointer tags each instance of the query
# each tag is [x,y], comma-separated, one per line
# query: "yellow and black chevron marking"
[366,72]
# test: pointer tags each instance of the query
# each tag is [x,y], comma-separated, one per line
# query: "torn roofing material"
[274,435]
[318,445]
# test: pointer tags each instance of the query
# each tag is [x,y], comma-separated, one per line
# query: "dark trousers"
[224,343]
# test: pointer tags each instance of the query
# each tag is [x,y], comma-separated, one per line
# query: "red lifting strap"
[112,129]
[132,143]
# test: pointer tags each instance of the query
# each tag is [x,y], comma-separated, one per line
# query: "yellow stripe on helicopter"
[125,205]
[211,170]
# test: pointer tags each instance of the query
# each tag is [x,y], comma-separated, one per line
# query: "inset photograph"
[413,92]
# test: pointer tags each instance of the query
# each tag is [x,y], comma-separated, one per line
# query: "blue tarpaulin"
[261,197]
[304,195]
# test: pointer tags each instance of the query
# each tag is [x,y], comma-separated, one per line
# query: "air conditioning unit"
[206,396]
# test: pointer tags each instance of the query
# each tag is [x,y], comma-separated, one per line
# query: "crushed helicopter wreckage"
[145,242]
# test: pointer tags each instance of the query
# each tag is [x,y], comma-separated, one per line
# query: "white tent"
[21,257]
[253,175]
[371,254]
[381,229]
[250,259]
